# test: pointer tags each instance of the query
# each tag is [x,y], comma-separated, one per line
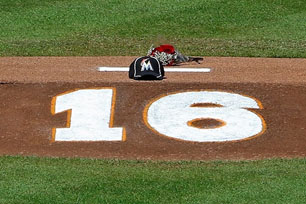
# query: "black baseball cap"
[146,67]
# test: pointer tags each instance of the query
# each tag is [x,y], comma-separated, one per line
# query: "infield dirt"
[28,85]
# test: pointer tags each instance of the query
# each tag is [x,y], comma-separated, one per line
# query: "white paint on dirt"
[91,111]
[169,116]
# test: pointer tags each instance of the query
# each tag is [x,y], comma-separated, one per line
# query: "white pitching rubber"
[126,69]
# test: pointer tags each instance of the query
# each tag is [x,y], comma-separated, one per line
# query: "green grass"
[46,180]
[261,28]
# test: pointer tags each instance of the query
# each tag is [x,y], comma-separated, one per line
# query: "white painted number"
[178,115]
[90,116]
[171,115]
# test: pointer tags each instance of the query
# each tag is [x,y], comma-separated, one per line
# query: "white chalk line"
[126,69]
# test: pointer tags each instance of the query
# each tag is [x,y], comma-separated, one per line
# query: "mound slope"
[30,85]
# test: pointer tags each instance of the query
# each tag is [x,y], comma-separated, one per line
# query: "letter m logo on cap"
[146,65]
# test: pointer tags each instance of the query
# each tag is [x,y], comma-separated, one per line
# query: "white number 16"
[90,116]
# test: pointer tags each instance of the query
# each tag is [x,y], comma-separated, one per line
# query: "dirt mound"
[245,108]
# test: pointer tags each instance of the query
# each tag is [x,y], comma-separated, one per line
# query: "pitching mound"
[242,108]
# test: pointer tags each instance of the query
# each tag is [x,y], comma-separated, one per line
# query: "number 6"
[172,115]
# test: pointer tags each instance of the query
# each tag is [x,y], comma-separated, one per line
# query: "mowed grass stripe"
[112,27]
[55,180]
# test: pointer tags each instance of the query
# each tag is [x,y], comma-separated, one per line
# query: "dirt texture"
[28,85]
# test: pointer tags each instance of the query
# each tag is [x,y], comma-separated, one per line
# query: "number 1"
[90,116]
